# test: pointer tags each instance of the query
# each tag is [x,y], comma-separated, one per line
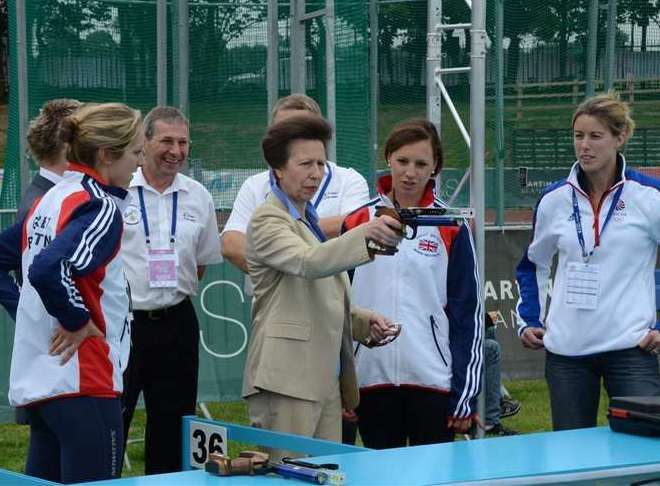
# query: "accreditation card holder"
[162,265]
[582,285]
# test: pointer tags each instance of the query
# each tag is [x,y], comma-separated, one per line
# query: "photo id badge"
[162,268]
[582,285]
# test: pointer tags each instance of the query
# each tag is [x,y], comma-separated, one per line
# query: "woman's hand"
[349,415]
[382,330]
[65,343]
[532,337]
[651,342]
[385,231]
[462,425]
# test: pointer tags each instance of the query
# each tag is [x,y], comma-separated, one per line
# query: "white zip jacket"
[68,247]
[625,253]
[431,288]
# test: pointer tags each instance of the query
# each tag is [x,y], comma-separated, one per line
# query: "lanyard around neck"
[324,188]
[578,222]
[145,220]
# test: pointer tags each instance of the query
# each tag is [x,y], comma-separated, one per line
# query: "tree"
[520,19]
[639,12]
[52,34]
[213,26]
[557,22]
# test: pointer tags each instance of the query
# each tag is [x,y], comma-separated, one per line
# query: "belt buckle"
[156,314]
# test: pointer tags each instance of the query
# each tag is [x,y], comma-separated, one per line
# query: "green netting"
[545,56]
[545,69]
[107,51]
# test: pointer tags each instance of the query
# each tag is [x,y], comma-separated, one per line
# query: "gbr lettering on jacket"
[41,235]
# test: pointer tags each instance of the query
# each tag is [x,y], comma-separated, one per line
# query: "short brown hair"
[278,137]
[610,111]
[412,131]
[112,126]
[296,101]
[168,114]
[43,137]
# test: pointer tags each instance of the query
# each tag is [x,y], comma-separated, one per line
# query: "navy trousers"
[75,439]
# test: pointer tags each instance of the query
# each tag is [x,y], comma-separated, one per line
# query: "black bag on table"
[635,415]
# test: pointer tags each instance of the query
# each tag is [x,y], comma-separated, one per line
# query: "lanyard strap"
[316,230]
[326,183]
[145,220]
[578,221]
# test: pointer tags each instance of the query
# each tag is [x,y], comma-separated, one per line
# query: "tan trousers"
[281,413]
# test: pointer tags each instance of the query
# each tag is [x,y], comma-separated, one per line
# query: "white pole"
[21,49]
[161,52]
[330,74]
[433,62]
[184,53]
[272,69]
[477,145]
[297,47]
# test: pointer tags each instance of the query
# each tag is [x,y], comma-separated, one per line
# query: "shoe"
[509,407]
[500,430]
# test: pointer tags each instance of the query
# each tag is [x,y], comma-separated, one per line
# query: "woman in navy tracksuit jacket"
[72,335]
[604,222]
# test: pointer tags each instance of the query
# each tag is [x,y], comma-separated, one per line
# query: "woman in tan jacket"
[300,371]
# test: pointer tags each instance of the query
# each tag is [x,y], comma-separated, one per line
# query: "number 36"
[215,445]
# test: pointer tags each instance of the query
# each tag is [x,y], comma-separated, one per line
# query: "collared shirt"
[53,177]
[196,241]
[345,191]
[310,218]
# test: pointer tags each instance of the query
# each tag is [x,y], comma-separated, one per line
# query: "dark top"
[37,188]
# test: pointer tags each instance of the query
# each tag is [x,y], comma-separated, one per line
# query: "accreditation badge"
[162,264]
[582,285]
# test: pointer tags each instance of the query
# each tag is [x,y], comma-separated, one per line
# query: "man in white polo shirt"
[170,235]
[341,191]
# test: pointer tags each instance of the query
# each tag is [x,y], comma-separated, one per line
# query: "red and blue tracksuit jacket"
[68,248]
[431,287]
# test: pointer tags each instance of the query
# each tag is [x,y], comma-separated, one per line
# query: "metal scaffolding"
[475,140]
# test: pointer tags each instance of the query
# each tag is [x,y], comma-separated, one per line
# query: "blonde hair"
[296,101]
[610,111]
[43,137]
[111,126]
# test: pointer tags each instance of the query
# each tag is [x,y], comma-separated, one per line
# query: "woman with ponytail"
[72,322]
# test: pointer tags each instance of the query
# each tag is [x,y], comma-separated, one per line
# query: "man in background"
[170,235]
[340,192]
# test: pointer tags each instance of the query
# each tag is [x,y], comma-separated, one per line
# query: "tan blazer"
[302,318]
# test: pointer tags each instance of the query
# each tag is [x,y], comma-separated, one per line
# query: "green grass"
[534,416]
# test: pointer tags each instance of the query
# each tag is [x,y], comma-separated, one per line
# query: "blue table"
[580,456]
[577,456]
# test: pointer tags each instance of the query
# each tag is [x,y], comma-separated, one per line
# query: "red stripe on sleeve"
[69,205]
[448,235]
[355,219]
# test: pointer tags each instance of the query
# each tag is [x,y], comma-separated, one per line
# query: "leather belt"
[158,314]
